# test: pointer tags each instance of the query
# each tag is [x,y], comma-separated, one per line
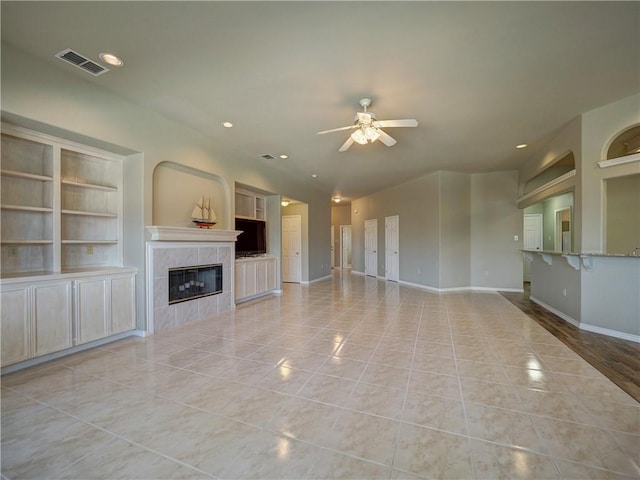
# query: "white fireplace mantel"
[186,234]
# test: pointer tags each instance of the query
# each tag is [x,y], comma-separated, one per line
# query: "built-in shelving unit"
[249,205]
[61,204]
[62,278]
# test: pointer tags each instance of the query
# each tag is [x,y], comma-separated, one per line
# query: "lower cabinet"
[45,316]
[104,306]
[16,327]
[254,276]
[52,317]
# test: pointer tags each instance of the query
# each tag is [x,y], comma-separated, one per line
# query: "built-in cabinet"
[249,204]
[62,279]
[254,277]
[40,317]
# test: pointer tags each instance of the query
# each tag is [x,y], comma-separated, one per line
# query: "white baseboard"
[564,316]
[610,333]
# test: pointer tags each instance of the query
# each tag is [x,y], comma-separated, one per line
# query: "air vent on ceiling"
[80,61]
[267,156]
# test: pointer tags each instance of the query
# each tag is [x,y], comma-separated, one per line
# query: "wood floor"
[618,360]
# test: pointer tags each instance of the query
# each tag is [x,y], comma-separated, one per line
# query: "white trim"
[356,272]
[316,280]
[191,234]
[548,185]
[460,289]
[68,351]
[610,333]
[563,316]
[619,161]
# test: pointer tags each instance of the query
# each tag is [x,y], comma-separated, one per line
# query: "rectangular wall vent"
[267,156]
[82,62]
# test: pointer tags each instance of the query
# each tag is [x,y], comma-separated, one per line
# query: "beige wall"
[600,127]
[36,95]
[623,214]
[456,230]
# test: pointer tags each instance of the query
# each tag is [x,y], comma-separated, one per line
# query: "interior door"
[392,248]
[333,246]
[345,246]
[532,239]
[371,247]
[291,248]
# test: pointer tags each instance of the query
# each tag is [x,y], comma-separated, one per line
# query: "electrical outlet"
[516,238]
[89,249]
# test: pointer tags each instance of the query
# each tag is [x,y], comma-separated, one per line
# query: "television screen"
[253,239]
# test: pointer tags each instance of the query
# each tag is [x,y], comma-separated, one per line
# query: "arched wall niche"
[176,189]
[624,143]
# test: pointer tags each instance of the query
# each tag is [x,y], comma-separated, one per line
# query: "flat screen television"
[253,239]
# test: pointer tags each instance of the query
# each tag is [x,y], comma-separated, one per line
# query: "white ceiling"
[479,77]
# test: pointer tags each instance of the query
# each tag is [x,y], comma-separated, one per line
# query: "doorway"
[345,246]
[371,247]
[563,230]
[392,248]
[532,239]
[291,248]
[333,247]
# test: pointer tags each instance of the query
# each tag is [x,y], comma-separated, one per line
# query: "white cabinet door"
[123,304]
[52,317]
[14,318]
[271,274]
[240,274]
[250,279]
[261,276]
[92,315]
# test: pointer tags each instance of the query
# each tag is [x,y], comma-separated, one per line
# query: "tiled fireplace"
[201,259]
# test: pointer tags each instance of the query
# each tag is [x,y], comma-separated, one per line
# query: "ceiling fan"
[368,129]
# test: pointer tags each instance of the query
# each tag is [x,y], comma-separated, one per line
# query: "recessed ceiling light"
[284,203]
[314,175]
[522,145]
[284,157]
[227,124]
[337,199]
[111,59]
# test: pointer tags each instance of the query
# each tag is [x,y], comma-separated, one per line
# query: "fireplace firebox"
[188,283]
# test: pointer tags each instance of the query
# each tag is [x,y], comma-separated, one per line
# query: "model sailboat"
[203,215]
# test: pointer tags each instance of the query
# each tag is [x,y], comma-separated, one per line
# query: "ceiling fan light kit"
[367,128]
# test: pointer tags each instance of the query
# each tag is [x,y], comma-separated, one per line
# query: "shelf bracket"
[546,258]
[528,256]
[587,262]
[573,261]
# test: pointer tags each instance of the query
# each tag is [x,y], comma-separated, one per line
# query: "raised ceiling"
[479,77]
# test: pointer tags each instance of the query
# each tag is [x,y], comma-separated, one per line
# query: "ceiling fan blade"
[406,122]
[337,129]
[345,146]
[387,139]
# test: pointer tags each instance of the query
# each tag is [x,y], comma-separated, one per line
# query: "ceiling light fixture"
[284,157]
[285,203]
[364,134]
[111,59]
[521,146]
[314,175]
[227,124]
[337,199]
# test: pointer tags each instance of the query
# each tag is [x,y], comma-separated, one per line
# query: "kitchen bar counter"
[598,292]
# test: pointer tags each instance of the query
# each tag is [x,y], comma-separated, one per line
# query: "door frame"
[373,271]
[343,228]
[299,265]
[396,254]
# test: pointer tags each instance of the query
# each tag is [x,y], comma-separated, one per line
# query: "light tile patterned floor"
[349,378]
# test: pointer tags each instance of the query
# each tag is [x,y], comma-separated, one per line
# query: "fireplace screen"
[188,283]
